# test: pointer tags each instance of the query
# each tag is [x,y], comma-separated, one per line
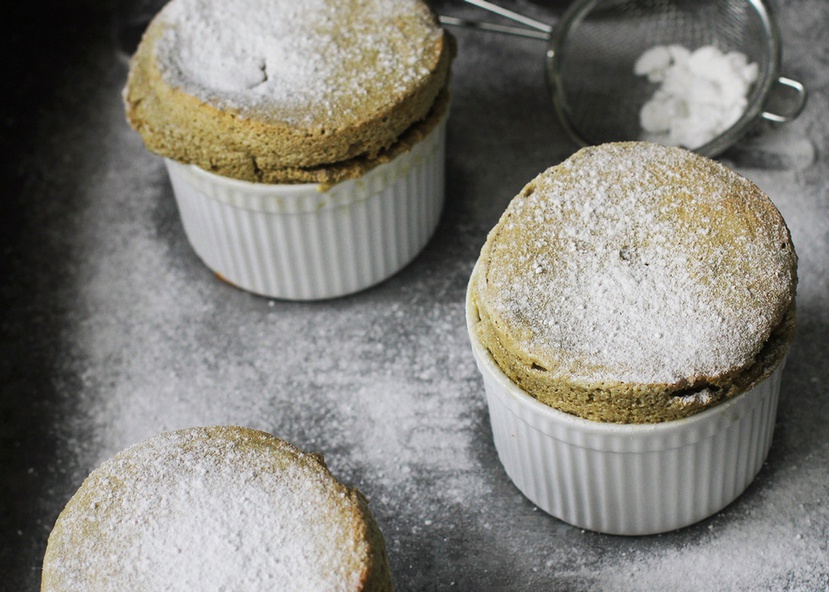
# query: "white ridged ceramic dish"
[308,242]
[632,479]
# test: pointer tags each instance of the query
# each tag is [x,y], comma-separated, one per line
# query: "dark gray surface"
[113,331]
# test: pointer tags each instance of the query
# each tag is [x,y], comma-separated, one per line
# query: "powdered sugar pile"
[702,93]
[306,59]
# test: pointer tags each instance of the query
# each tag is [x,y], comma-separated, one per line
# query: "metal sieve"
[592,50]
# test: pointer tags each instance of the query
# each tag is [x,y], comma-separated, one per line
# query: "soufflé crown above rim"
[636,283]
[221,507]
[277,91]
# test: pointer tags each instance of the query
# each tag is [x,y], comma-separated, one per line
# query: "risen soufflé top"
[245,88]
[636,283]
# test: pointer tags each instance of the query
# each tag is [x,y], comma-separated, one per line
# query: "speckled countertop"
[112,330]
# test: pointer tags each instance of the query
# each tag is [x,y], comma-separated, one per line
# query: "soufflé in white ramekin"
[630,314]
[304,140]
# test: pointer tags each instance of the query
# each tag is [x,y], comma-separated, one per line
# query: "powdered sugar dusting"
[183,512]
[655,271]
[300,62]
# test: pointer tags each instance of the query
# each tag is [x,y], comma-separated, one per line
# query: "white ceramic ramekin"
[627,479]
[309,242]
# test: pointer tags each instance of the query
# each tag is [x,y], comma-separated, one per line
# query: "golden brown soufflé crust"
[635,283]
[353,168]
[222,507]
[297,144]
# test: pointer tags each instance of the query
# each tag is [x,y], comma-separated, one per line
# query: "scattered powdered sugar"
[631,259]
[149,342]
[701,93]
[702,397]
[210,510]
[298,61]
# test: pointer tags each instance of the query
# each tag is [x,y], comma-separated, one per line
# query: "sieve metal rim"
[555,36]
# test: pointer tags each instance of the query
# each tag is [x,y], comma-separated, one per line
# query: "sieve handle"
[536,30]
[798,105]
[518,18]
[484,26]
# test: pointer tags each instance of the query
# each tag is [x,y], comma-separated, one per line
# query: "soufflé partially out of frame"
[215,508]
[304,140]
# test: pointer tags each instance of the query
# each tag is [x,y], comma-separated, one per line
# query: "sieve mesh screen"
[592,73]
